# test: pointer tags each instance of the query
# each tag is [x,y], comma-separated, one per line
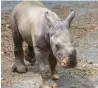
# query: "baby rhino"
[48,40]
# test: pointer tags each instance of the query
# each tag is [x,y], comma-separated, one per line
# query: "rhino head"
[61,41]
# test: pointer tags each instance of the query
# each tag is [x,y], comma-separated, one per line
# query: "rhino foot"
[55,76]
[19,68]
[48,87]
[49,84]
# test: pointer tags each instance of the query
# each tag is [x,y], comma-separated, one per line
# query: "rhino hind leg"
[29,54]
[53,63]
[19,65]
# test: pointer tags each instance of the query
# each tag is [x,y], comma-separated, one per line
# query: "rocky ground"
[85,75]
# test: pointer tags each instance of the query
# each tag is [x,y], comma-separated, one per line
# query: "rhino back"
[26,15]
[31,19]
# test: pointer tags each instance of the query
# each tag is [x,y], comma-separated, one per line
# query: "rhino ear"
[49,17]
[70,18]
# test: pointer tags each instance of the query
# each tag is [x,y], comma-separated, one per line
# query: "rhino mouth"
[69,62]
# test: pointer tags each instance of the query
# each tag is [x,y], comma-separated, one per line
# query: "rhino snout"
[69,62]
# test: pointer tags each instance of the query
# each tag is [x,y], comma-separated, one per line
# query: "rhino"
[48,40]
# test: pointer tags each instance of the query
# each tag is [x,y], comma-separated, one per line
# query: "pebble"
[90,62]
[7,26]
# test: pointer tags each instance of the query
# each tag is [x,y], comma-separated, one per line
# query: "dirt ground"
[85,75]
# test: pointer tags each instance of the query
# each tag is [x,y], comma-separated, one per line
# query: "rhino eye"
[57,47]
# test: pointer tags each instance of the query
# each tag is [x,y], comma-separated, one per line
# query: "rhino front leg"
[53,63]
[45,70]
[29,54]
[19,65]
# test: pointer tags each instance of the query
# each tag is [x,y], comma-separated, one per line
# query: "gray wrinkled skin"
[48,40]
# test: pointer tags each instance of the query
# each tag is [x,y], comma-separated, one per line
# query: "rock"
[2,52]
[84,65]
[8,26]
[96,28]
[90,62]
